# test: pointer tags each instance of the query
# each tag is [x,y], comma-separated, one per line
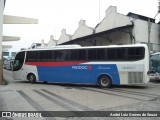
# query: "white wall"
[42,43]
[64,37]
[140,32]
[155,36]
[113,20]
[140,29]
[51,41]
[82,30]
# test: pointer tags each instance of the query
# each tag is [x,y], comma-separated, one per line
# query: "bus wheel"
[105,81]
[32,78]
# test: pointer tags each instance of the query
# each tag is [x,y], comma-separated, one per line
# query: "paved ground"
[23,96]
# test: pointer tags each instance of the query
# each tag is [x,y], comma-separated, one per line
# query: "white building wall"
[64,37]
[113,20]
[140,32]
[52,42]
[155,36]
[42,43]
[82,30]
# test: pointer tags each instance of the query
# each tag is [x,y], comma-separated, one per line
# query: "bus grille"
[135,77]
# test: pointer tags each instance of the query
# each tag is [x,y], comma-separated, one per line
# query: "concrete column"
[1,72]
[1,31]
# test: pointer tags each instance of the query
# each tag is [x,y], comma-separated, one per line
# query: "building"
[64,37]
[117,29]
[9,54]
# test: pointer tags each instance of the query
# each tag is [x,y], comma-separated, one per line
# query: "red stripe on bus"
[52,63]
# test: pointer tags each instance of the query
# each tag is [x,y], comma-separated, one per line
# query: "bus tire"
[32,78]
[104,81]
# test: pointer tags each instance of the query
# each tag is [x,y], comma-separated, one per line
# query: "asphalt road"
[23,96]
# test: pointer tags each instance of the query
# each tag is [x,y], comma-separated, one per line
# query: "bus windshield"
[18,63]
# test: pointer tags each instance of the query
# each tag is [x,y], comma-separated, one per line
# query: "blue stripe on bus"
[81,73]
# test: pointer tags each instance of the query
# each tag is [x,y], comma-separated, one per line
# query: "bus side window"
[158,64]
[82,55]
[153,63]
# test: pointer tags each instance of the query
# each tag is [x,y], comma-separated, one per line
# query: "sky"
[54,15]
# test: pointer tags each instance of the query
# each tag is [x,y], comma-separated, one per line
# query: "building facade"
[117,29]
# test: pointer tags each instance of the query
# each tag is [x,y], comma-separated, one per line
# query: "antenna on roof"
[99,10]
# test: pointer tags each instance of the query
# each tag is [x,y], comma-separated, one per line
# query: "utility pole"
[149,33]
[99,11]
[159,6]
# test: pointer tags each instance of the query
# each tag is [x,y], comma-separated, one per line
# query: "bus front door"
[155,67]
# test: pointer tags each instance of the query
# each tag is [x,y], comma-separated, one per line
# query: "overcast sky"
[54,15]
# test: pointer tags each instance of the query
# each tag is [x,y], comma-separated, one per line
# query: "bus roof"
[155,53]
[79,47]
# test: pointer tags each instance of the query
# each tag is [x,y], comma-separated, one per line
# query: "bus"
[155,66]
[98,65]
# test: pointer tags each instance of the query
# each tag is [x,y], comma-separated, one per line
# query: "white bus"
[155,66]
[99,65]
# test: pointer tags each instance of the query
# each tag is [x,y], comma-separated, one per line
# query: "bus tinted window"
[112,54]
[135,53]
[62,55]
[101,54]
[158,64]
[32,56]
[74,55]
[81,54]
[121,54]
[124,54]
[92,54]
[116,54]
[18,63]
[45,56]
[58,55]
[153,63]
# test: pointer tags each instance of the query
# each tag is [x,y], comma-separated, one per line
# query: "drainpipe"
[149,33]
